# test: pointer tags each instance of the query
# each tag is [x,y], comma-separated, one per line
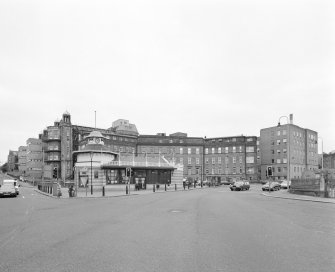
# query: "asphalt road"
[209,229]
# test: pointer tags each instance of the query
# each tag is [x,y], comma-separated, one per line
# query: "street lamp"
[91,156]
[288,147]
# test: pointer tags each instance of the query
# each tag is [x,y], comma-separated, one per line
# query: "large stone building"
[329,160]
[176,148]
[230,158]
[288,149]
[34,157]
[12,161]
[22,160]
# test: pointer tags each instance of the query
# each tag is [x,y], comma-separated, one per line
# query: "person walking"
[59,190]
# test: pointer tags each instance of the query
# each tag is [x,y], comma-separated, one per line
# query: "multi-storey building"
[22,160]
[63,138]
[289,150]
[34,158]
[12,161]
[227,158]
[176,148]
[329,160]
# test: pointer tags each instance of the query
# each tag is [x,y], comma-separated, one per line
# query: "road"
[209,229]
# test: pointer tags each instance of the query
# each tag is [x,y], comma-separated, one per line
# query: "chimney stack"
[291,118]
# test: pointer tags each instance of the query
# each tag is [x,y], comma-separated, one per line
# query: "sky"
[203,67]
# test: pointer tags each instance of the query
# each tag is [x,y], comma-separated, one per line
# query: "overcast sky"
[207,68]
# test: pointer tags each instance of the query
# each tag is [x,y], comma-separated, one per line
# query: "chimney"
[291,118]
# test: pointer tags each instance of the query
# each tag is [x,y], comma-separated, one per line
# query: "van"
[15,183]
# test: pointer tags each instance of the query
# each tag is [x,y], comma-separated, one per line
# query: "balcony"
[51,139]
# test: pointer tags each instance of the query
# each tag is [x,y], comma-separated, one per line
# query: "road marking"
[176,211]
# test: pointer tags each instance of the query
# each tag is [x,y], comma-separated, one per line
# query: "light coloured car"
[7,189]
[285,184]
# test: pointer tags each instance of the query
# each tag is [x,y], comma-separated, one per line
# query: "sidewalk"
[118,191]
[286,195]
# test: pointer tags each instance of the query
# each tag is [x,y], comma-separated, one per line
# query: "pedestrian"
[59,191]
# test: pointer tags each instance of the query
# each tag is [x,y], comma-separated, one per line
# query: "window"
[278,151]
[278,160]
[197,161]
[206,150]
[284,140]
[227,160]
[250,170]
[96,174]
[226,149]
[219,150]
[213,171]
[189,150]
[234,159]
[278,142]
[189,160]
[189,172]
[240,159]
[207,171]
[181,150]
[181,160]
[278,133]
[240,148]
[250,159]
[234,149]
[197,151]
[206,161]
[213,150]
[219,160]
[284,150]
[250,149]
[213,160]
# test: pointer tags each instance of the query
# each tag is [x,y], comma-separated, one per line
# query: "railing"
[132,163]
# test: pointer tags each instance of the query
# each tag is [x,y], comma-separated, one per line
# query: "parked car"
[8,189]
[285,184]
[271,186]
[240,186]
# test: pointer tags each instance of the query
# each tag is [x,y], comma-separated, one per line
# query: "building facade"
[230,158]
[22,160]
[289,150]
[12,161]
[34,158]
[329,160]
[176,148]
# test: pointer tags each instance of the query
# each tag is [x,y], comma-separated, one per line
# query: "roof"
[96,134]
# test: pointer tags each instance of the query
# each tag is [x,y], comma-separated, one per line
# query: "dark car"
[240,186]
[271,186]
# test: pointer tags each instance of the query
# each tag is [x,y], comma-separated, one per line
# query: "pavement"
[118,191]
[285,194]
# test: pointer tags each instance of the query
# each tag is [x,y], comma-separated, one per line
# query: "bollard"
[153,188]
[103,190]
[165,187]
[126,190]
[201,184]
[175,187]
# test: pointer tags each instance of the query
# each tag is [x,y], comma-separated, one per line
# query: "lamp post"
[288,146]
[91,156]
